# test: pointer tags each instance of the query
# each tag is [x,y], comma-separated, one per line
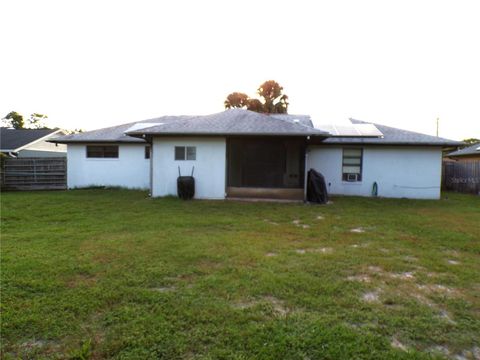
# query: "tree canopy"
[15,120]
[471,141]
[272,99]
[37,121]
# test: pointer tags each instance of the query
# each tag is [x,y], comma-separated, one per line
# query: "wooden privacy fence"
[462,176]
[34,173]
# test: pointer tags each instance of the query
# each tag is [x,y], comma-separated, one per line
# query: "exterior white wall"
[401,171]
[129,170]
[210,166]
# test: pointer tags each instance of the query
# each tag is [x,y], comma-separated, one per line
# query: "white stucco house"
[239,153]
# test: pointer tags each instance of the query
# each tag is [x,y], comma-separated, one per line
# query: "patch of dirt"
[271,254]
[476,352]
[439,350]
[453,262]
[445,351]
[277,305]
[371,296]
[241,305]
[403,276]
[410,258]
[422,299]
[453,253]
[164,289]
[437,288]
[375,269]
[360,278]
[324,250]
[395,343]
[270,222]
[298,223]
[357,230]
[364,245]
[446,316]
[320,217]
[385,251]
[33,344]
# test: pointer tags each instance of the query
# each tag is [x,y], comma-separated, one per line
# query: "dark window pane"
[111,151]
[191,153]
[179,152]
[95,151]
[147,152]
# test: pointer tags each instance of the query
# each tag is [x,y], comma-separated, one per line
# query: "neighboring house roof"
[393,136]
[228,122]
[13,140]
[468,151]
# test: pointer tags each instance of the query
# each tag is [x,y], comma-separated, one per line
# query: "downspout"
[305,171]
[151,166]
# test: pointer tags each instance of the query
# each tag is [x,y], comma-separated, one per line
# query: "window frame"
[185,150]
[344,174]
[101,149]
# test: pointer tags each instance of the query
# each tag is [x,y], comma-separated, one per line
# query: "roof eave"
[96,141]
[410,143]
[210,134]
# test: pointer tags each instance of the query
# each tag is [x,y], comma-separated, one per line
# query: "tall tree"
[37,121]
[236,100]
[272,100]
[471,141]
[275,101]
[15,120]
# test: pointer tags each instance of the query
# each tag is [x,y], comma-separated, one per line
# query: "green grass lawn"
[114,274]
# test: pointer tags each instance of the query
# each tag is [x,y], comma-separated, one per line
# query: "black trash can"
[185,186]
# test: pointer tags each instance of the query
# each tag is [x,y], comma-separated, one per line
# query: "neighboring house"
[31,143]
[240,153]
[469,153]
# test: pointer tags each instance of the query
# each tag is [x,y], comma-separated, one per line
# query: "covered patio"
[266,167]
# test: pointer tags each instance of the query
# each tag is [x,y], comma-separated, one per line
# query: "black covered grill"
[316,188]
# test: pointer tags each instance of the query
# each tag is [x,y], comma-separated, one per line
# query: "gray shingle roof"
[235,122]
[12,139]
[113,134]
[393,136]
[229,122]
[470,150]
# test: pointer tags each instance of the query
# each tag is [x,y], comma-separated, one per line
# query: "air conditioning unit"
[352,177]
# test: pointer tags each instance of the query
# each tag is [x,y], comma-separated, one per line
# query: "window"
[185,153]
[95,151]
[147,152]
[352,165]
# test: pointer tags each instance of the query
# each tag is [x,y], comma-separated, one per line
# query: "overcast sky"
[91,64]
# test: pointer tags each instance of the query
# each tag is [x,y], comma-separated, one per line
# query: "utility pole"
[438,120]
